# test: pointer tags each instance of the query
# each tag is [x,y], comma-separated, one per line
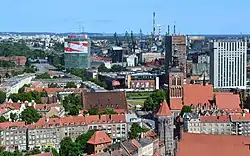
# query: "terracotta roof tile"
[176,103]
[6,125]
[213,145]
[227,101]
[157,154]
[136,143]
[164,109]
[215,119]
[241,117]
[195,94]
[99,137]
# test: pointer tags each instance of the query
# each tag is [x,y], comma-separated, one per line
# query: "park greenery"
[152,103]
[30,115]
[27,96]
[3,119]
[43,76]
[185,109]
[20,49]
[135,130]
[72,104]
[70,85]
[77,147]
[2,97]
[7,64]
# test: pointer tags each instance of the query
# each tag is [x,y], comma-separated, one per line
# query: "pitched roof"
[213,145]
[227,101]
[215,119]
[176,103]
[99,137]
[240,117]
[6,125]
[102,100]
[164,109]
[195,94]
[53,90]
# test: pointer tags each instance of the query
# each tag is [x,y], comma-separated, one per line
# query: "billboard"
[143,84]
[76,47]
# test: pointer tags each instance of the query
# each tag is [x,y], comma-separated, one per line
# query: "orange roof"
[213,145]
[6,125]
[164,109]
[195,94]
[99,137]
[227,101]
[242,117]
[176,103]
[157,154]
[215,119]
[136,143]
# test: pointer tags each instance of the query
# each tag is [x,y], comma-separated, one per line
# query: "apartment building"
[209,125]
[49,132]
[232,124]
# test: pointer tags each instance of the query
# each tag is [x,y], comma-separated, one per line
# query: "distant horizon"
[111,33]
[62,16]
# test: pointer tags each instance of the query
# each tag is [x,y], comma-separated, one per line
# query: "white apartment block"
[228,62]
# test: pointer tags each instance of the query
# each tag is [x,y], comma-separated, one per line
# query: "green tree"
[149,104]
[83,139]
[13,117]
[3,119]
[30,115]
[134,130]
[70,85]
[29,70]
[103,68]
[108,111]
[43,76]
[93,111]
[68,147]
[2,97]
[43,93]
[117,68]
[185,109]
[21,90]
[216,90]
[72,104]
[35,151]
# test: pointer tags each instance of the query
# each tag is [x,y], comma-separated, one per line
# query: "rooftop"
[164,109]
[227,101]
[213,145]
[99,137]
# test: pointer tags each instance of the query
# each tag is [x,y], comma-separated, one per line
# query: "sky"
[109,16]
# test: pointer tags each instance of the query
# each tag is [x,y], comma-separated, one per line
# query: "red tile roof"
[136,143]
[213,145]
[157,154]
[99,137]
[164,109]
[241,117]
[176,103]
[195,94]
[227,101]
[53,90]
[6,125]
[215,119]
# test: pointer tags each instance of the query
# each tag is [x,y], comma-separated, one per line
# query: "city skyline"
[96,16]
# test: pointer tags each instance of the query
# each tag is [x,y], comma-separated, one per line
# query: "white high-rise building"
[228,61]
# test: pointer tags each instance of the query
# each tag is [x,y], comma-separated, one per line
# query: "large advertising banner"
[143,84]
[76,47]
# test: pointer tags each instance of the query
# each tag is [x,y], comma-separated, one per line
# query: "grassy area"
[136,102]
[138,95]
